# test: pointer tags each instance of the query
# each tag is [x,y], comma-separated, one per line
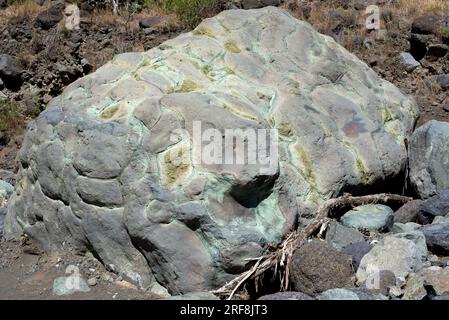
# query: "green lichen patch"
[386,115]
[229,70]
[232,46]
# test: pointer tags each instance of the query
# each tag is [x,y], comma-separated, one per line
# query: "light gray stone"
[408,61]
[393,253]
[429,159]
[96,171]
[6,190]
[374,217]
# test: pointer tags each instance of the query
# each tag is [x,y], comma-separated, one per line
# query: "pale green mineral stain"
[362,171]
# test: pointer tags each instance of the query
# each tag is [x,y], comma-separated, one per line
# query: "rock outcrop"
[97,171]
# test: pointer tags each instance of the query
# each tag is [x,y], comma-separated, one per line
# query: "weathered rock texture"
[95,171]
[429,159]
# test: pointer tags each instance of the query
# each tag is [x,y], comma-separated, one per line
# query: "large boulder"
[429,159]
[116,164]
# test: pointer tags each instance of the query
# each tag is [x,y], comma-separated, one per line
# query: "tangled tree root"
[279,260]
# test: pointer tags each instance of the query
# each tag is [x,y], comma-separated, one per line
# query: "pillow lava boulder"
[96,172]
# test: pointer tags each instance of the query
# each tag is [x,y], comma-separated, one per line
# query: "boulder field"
[96,172]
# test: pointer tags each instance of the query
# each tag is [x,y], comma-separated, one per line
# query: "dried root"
[279,260]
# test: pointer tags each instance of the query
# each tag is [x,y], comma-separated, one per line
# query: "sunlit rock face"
[97,172]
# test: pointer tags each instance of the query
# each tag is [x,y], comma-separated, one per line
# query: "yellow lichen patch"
[109,112]
[20,186]
[203,31]
[362,171]
[175,165]
[186,86]
[386,115]
[239,113]
[285,129]
[229,70]
[271,121]
[232,46]
[308,168]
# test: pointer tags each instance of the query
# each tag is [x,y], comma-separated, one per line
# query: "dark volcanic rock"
[317,267]
[426,24]
[254,4]
[433,207]
[288,295]
[149,22]
[357,251]
[51,17]
[10,72]
[437,237]
[408,212]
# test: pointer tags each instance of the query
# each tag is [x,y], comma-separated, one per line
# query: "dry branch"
[280,259]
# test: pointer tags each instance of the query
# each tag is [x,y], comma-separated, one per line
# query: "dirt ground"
[28,274]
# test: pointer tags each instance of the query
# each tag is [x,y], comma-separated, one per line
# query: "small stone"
[149,22]
[436,51]
[414,289]
[443,81]
[446,107]
[374,217]
[408,61]
[92,282]
[194,296]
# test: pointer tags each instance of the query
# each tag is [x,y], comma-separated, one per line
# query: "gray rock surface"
[340,236]
[437,237]
[317,267]
[194,296]
[287,295]
[429,159]
[6,190]
[436,206]
[408,61]
[408,212]
[374,217]
[349,294]
[405,227]
[396,254]
[2,219]
[357,251]
[97,173]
